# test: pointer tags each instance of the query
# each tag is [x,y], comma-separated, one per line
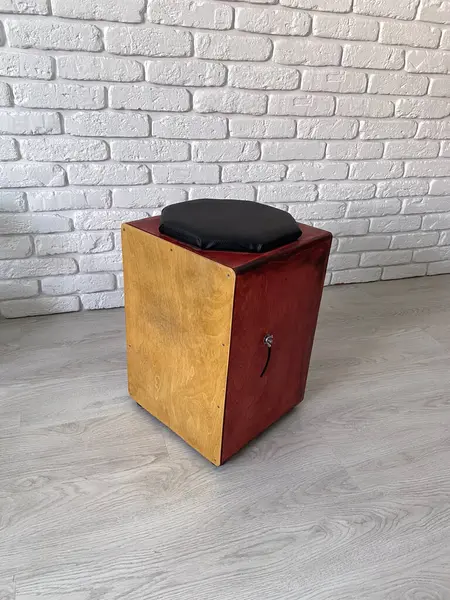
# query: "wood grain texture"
[178,308]
[347,497]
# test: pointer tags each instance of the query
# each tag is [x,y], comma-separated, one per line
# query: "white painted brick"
[398,84]
[326,5]
[77,284]
[287,192]
[262,128]
[272,20]
[354,150]
[36,267]
[230,101]
[327,129]
[147,41]
[444,239]
[149,150]
[107,123]
[15,246]
[31,175]
[130,11]
[248,173]
[190,127]
[342,82]
[185,173]
[103,300]
[367,242]
[371,56]
[107,174]
[434,130]
[433,222]
[24,65]
[99,68]
[106,219]
[63,149]
[48,200]
[5,95]
[191,13]
[364,107]
[12,309]
[414,240]
[306,52]
[440,86]
[341,262]
[401,9]
[26,223]
[147,197]
[146,97]
[356,276]
[403,271]
[301,105]
[373,208]
[376,169]
[435,11]
[391,257]
[59,95]
[427,61]
[13,202]
[293,150]
[226,151]
[379,130]
[346,191]
[402,188]
[188,72]
[445,148]
[263,77]
[96,263]
[317,210]
[29,123]
[445,40]
[422,108]
[30,7]
[420,35]
[314,171]
[345,27]
[8,149]
[9,290]
[234,192]
[440,187]
[425,255]
[393,224]
[63,243]
[341,227]
[439,167]
[119,279]
[230,46]
[53,35]
[411,149]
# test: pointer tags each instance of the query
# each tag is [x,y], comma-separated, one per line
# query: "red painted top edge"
[238,261]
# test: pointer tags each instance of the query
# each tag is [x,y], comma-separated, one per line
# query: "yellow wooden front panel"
[178,308]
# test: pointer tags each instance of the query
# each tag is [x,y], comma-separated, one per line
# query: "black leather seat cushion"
[234,225]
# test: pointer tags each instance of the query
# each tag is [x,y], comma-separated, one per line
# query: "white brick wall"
[337,111]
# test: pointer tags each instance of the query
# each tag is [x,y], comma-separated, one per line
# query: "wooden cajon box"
[196,327]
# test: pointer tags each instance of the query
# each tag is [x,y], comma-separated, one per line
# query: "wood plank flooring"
[346,498]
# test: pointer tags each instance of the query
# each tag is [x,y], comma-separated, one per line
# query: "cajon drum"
[219,340]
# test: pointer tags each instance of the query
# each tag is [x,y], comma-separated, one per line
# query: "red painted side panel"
[282,298]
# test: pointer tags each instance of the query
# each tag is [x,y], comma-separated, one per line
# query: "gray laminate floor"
[348,497]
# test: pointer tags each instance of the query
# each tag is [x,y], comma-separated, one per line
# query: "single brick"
[12,289]
[185,173]
[53,35]
[427,61]
[195,73]
[373,208]
[342,82]
[147,197]
[31,175]
[341,262]
[190,127]
[439,86]
[439,187]
[301,105]
[445,148]
[119,279]
[109,261]
[327,129]
[345,27]
[343,227]
[293,150]
[435,11]
[63,149]
[371,56]
[411,149]
[248,173]
[379,130]
[263,77]
[395,223]
[403,271]
[356,276]
[5,94]
[29,223]
[433,222]
[47,200]
[401,241]
[230,102]
[230,46]
[146,97]
[420,35]
[445,40]
[99,68]
[8,149]
[414,206]
[108,124]
[147,41]
[19,64]
[59,95]
[15,246]
[106,220]
[83,243]
[30,7]
[401,9]
[439,167]
[398,84]
[36,267]
[77,284]
[367,242]
[346,191]
[354,150]
[306,52]
[431,254]
[326,5]
[272,20]
[13,202]
[29,123]
[231,191]
[262,128]
[314,171]
[317,210]
[130,11]
[149,150]
[380,259]
[422,108]
[287,193]
[402,188]
[30,307]
[191,13]
[107,174]
[100,300]
[376,169]
[225,151]
[434,130]
[364,107]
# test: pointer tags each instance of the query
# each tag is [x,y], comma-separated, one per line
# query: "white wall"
[112,109]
